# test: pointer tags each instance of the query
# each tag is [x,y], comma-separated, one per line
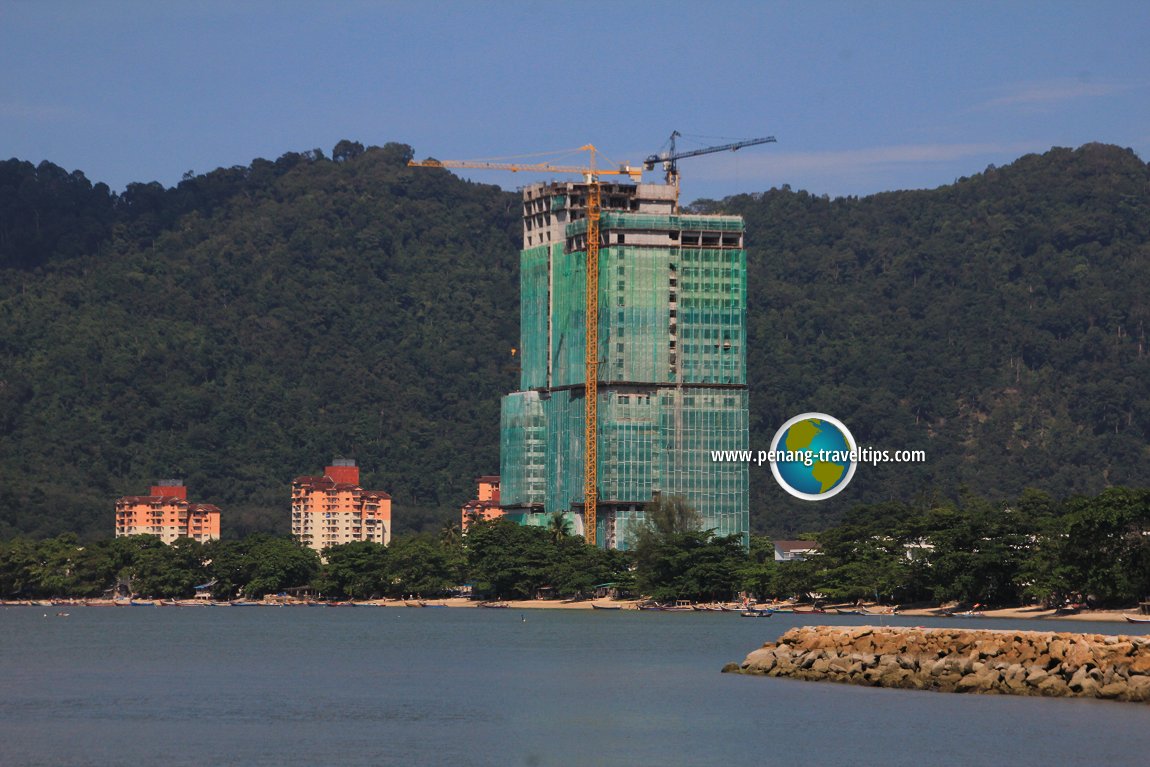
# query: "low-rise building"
[166,513]
[485,506]
[333,509]
[794,551]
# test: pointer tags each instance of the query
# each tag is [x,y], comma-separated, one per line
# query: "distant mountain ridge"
[251,323]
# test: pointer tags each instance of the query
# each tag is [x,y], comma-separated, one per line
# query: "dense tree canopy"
[1030,549]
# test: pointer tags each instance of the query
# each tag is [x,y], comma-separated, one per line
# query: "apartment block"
[332,509]
[485,505]
[166,513]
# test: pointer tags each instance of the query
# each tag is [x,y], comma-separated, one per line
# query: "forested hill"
[999,323]
[245,328]
[251,323]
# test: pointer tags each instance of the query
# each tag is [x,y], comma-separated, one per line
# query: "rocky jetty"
[1054,664]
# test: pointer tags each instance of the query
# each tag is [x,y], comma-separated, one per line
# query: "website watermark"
[814,456]
[808,458]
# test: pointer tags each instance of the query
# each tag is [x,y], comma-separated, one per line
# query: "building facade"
[672,361]
[485,505]
[166,513]
[333,509]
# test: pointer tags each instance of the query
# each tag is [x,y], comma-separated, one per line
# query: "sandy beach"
[1014,613]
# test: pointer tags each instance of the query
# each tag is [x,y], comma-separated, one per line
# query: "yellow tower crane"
[591,176]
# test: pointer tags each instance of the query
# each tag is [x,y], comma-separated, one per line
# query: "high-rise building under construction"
[671,359]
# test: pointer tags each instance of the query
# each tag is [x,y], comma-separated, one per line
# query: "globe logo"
[813,456]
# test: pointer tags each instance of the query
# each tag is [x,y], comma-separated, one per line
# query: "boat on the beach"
[1135,619]
[681,605]
[965,614]
[496,605]
[606,607]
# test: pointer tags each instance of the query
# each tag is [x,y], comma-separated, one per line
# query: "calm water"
[385,686]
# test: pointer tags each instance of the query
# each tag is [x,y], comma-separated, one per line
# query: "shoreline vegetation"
[1032,612]
[967,561]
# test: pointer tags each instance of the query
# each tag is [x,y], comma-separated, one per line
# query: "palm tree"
[559,527]
[450,535]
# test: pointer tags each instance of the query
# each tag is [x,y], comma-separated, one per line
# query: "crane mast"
[591,371]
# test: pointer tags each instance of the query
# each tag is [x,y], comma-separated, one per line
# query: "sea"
[361,686]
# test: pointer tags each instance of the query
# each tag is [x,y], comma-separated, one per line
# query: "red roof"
[796,545]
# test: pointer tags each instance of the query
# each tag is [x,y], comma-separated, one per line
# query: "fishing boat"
[681,606]
[757,613]
[1136,619]
[606,607]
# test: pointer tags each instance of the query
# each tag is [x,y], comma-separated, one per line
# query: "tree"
[171,571]
[758,573]
[674,559]
[346,150]
[259,564]
[507,560]
[1107,545]
[422,565]
[558,527]
[357,570]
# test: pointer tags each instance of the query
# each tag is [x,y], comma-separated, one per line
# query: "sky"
[862,97]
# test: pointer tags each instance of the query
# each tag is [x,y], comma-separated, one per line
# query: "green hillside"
[251,323]
[998,323]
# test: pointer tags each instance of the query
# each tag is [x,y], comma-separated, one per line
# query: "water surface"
[301,687]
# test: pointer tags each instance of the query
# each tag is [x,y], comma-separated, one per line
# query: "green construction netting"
[564,413]
[668,315]
[711,314]
[658,440]
[522,449]
[533,313]
[568,323]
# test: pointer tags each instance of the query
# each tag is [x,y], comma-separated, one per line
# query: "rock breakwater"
[1053,664]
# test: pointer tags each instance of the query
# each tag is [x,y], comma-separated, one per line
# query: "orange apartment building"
[332,509]
[166,513]
[486,504]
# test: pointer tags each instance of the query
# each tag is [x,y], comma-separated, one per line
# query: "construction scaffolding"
[671,360]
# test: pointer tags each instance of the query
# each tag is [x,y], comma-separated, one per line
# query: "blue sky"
[863,97]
